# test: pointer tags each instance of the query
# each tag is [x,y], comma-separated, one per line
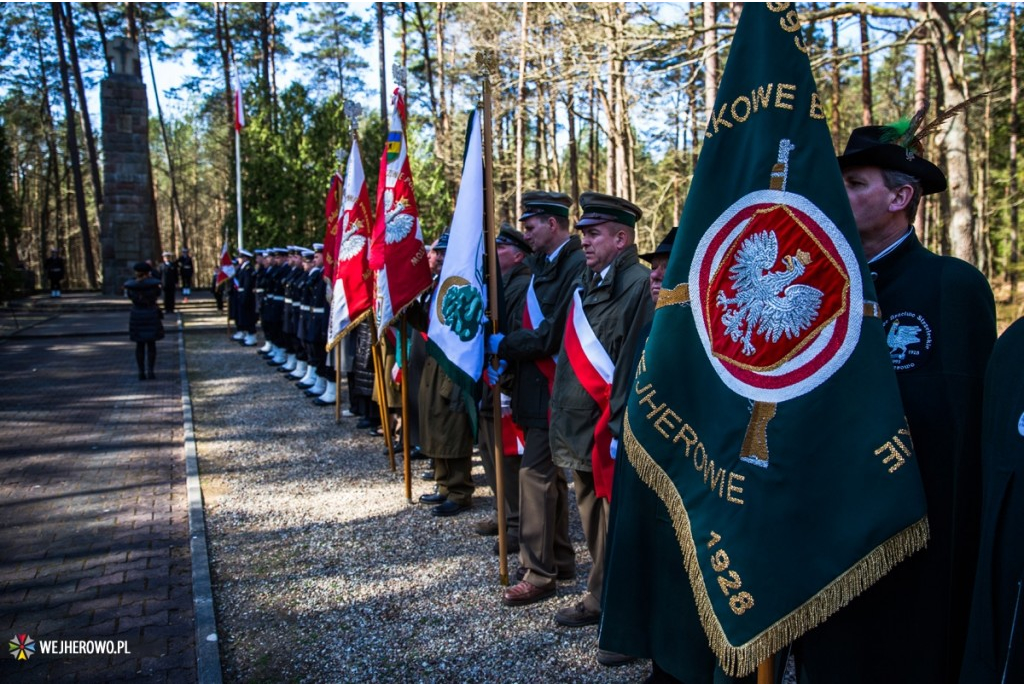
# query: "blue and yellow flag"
[765,417]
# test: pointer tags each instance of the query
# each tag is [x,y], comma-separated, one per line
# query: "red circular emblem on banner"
[776,296]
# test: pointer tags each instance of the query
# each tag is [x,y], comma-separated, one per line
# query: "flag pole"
[238,181]
[406,459]
[486,62]
[382,404]
[337,384]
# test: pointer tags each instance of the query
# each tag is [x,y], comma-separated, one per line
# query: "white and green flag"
[455,337]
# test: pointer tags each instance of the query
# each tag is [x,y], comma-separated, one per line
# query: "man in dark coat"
[545,552]
[939,318]
[611,306]
[995,653]
[144,321]
[54,268]
[169,281]
[186,269]
[512,249]
[246,294]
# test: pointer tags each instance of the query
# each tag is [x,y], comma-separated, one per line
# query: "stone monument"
[128,221]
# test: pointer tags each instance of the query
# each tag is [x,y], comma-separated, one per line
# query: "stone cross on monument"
[123,55]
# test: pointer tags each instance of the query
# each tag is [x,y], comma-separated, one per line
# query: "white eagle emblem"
[396,224]
[352,243]
[766,302]
[900,338]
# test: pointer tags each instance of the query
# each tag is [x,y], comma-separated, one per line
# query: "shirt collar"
[892,247]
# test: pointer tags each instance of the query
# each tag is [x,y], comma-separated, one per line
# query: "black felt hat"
[867,147]
[142,268]
[664,247]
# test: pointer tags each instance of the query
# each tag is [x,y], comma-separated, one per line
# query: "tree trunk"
[177,219]
[404,36]
[920,95]
[1014,252]
[710,59]
[427,62]
[837,141]
[90,140]
[958,161]
[381,58]
[102,32]
[865,72]
[76,168]
[574,172]
[521,107]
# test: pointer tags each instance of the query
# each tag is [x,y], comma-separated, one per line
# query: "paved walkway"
[94,543]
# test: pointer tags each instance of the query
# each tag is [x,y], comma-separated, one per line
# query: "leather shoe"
[511,546]
[417,454]
[320,403]
[450,508]
[577,615]
[486,527]
[363,423]
[427,475]
[613,659]
[523,593]
[433,498]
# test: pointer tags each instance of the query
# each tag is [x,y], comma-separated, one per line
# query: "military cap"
[598,208]
[541,202]
[245,253]
[307,254]
[166,254]
[663,248]
[184,249]
[869,146]
[142,267]
[318,247]
[510,236]
[442,242]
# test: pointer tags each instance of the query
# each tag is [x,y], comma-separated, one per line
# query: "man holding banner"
[545,552]
[611,306]
[768,477]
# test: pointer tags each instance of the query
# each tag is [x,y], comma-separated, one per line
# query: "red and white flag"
[239,110]
[227,268]
[397,252]
[348,255]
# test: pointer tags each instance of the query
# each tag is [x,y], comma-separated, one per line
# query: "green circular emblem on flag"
[460,307]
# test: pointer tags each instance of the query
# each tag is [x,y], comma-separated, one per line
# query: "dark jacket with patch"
[911,625]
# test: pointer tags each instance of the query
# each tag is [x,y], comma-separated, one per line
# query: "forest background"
[603,96]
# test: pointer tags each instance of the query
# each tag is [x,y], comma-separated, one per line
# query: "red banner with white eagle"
[397,252]
[348,254]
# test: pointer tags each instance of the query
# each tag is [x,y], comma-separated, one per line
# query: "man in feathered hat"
[939,318]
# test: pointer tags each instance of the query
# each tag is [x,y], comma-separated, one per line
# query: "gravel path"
[323,572]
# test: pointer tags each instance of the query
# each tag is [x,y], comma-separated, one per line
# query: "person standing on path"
[169,281]
[144,321]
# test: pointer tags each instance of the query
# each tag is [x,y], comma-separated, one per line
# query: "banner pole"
[238,183]
[486,60]
[382,404]
[406,439]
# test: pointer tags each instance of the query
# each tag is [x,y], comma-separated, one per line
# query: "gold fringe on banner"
[348,329]
[741,660]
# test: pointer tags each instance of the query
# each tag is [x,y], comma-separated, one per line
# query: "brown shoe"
[577,615]
[486,527]
[524,593]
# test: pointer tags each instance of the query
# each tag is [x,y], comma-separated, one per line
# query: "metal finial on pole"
[399,73]
[353,110]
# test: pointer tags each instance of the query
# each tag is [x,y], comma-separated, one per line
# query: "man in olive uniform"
[446,434]
[939,317]
[54,268]
[611,305]
[545,552]
[994,652]
[512,249]
[186,269]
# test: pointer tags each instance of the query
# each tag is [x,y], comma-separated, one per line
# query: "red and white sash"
[594,369]
[532,316]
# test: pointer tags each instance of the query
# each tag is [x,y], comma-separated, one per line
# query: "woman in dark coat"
[144,322]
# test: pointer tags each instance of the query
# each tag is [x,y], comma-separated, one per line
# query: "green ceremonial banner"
[765,413]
